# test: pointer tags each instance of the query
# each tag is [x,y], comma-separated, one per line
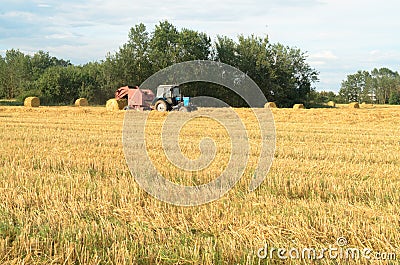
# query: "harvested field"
[68,197]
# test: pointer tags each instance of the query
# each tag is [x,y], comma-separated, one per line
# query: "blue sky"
[340,37]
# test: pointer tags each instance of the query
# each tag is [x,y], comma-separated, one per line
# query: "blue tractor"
[169,98]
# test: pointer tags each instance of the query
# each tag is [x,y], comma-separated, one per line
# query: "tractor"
[169,98]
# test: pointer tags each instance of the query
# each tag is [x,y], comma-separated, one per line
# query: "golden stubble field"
[68,197]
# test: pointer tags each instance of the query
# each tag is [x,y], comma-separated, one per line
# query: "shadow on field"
[10,103]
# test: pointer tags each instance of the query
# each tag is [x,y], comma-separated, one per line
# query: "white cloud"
[43,5]
[327,55]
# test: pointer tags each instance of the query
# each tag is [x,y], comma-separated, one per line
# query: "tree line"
[379,86]
[281,72]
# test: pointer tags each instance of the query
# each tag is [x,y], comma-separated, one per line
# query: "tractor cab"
[170,93]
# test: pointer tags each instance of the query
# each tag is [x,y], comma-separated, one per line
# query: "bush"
[30,93]
[394,98]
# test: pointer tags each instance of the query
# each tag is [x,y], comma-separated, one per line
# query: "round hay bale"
[298,106]
[354,105]
[270,105]
[113,104]
[331,104]
[81,102]
[32,102]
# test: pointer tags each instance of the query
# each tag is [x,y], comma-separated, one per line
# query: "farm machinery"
[168,98]
[138,99]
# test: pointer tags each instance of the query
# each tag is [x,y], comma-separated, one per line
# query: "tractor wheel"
[184,109]
[161,106]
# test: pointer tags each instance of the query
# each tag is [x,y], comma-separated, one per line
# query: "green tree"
[193,45]
[3,77]
[132,63]
[356,88]
[60,85]
[15,73]
[41,60]
[292,76]
[385,81]
[250,55]
[164,46]
[93,86]
[145,54]
[281,72]
[394,98]
[226,51]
